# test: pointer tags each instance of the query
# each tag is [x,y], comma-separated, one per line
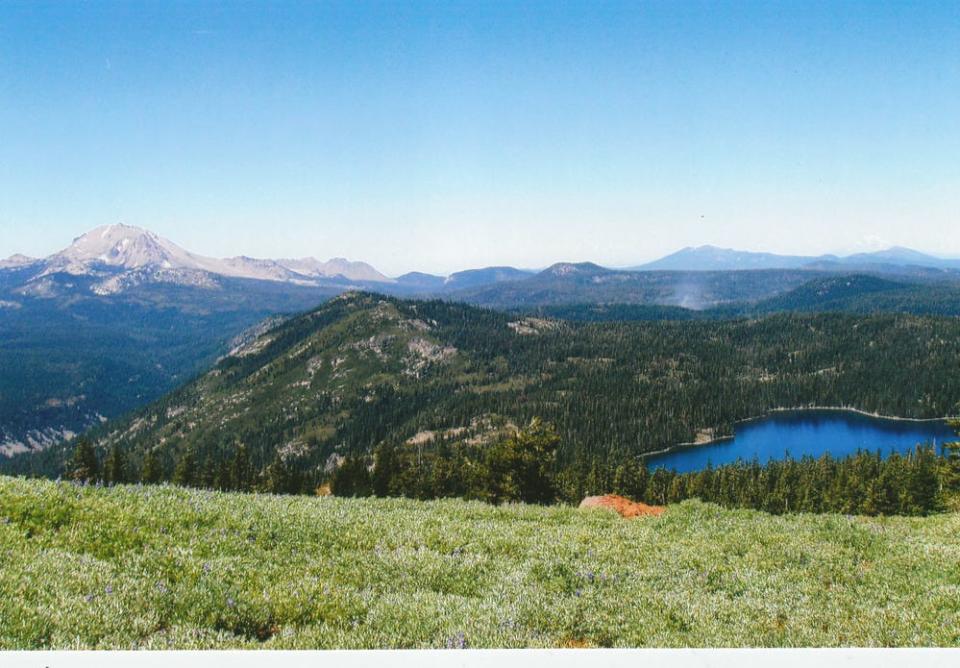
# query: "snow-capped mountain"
[122,256]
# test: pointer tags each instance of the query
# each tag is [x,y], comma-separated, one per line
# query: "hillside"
[72,358]
[859,293]
[167,568]
[839,293]
[567,283]
[364,369]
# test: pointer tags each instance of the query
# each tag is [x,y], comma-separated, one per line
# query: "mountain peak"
[575,268]
[119,245]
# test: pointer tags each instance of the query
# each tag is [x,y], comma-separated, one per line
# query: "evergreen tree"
[631,480]
[351,478]
[242,469]
[951,473]
[282,477]
[185,472]
[386,470]
[924,484]
[115,466]
[521,467]
[152,472]
[84,466]
[223,480]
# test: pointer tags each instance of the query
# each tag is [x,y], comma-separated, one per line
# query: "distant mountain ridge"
[586,282]
[712,258]
[124,255]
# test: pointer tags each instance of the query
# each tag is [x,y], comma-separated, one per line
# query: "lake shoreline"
[769,412]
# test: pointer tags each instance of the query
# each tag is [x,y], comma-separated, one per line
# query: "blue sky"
[444,135]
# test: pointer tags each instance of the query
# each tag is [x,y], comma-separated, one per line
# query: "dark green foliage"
[951,466]
[84,466]
[242,476]
[186,472]
[115,469]
[386,470]
[522,467]
[281,477]
[352,478]
[152,471]
[864,484]
[630,479]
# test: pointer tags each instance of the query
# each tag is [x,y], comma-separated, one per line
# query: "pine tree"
[351,479]
[185,472]
[84,466]
[386,470]
[152,472]
[115,466]
[522,467]
[951,452]
[222,480]
[282,477]
[242,469]
[630,479]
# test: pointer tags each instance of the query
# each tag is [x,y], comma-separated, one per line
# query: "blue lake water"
[807,432]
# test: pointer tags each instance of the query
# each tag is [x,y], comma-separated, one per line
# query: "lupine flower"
[458,641]
[108,589]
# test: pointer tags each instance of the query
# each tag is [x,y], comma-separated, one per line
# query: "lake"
[806,432]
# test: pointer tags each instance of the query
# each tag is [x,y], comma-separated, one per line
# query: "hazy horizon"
[442,137]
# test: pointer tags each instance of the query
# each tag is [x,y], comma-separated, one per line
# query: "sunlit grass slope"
[162,567]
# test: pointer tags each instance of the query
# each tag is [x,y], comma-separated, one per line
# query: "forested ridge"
[363,370]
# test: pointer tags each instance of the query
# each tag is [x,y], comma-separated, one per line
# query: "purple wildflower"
[231,603]
[207,568]
[459,641]
[89,598]
[108,589]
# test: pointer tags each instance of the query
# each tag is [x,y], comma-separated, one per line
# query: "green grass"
[163,568]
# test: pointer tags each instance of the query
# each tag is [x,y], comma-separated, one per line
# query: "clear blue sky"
[444,135]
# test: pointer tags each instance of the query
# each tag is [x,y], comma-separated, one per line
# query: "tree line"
[524,468]
[917,483]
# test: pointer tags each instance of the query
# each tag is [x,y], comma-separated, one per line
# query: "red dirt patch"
[624,506]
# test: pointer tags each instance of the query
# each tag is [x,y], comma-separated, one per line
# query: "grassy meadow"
[163,568]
